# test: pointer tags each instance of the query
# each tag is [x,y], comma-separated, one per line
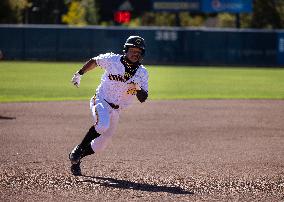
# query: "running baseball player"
[124,79]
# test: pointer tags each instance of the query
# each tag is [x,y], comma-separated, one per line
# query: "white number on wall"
[166,35]
[281,45]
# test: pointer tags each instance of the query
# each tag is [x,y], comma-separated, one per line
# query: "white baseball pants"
[105,122]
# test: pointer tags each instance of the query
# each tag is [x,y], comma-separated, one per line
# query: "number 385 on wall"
[166,35]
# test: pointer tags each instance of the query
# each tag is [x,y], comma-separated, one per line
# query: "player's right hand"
[132,88]
[76,79]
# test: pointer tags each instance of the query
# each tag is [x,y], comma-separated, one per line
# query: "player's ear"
[125,49]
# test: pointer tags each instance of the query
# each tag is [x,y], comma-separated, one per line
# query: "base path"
[222,150]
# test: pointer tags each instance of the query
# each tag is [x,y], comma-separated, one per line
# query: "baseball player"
[124,79]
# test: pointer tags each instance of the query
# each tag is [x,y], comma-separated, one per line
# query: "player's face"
[134,54]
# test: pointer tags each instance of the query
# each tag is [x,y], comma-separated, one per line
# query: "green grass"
[217,83]
[44,81]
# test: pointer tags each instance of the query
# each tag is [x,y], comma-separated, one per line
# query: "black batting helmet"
[134,41]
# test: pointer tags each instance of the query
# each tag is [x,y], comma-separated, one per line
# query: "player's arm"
[89,65]
[142,90]
[135,89]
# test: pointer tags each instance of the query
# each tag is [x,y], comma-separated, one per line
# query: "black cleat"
[76,169]
[75,155]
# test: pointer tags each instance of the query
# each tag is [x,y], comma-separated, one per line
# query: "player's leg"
[100,143]
[79,152]
[101,118]
[82,149]
[100,113]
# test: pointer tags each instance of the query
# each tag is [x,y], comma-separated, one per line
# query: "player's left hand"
[76,79]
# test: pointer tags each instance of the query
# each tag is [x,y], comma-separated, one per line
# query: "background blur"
[266,14]
[190,32]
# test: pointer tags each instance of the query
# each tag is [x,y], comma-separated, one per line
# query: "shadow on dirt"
[7,117]
[125,184]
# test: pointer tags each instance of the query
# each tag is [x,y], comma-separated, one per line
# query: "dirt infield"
[208,150]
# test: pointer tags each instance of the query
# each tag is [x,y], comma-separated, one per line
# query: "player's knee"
[102,127]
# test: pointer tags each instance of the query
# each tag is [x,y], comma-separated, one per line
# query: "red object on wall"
[122,16]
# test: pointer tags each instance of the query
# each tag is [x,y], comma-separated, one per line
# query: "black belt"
[114,106]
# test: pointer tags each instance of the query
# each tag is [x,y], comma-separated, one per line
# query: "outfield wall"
[164,45]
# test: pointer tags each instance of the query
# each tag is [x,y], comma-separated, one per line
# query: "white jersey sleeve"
[141,78]
[105,60]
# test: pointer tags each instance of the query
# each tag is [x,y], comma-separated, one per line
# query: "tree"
[75,15]
[187,19]
[226,20]
[81,13]
[266,15]
[6,13]
[91,16]
[11,11]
